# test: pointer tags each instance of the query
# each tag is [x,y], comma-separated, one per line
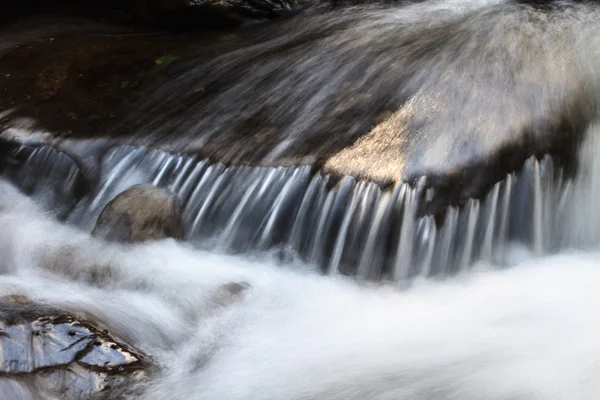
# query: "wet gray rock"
[46,352]
[229,293]
[140,213]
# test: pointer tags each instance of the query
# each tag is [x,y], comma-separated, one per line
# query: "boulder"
[44,351]
[353,93]
[229,293]
[138,214]
[389,99]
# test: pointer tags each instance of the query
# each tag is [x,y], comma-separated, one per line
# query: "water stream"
[347,227]
[524,332]
[349,290]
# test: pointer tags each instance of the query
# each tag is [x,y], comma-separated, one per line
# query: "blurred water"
[524,333]
[347,227]
[469,77]
[477,75]
[516,321]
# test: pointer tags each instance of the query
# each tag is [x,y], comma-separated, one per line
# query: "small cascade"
[409,201]
[46,174]
[345,227]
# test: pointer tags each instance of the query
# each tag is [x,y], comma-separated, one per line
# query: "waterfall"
[344,227]
[380,201]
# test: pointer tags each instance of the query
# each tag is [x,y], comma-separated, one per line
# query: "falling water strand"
[538,246]
[507,189]
[352,228]
[406,239]
[488,239]
[340,242]
[427,235]
[471,225]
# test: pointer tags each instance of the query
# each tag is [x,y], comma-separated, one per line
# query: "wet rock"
[15,299]
[236,287]
[44,351]
[163,10]
[140,213]
[229,293]
[429,106]
[464,116]
[51,79]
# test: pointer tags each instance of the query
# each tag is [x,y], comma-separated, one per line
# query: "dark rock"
[190,10]
[45,351]
[138,214]
[51,79]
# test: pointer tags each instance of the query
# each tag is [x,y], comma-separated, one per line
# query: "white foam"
[529,332]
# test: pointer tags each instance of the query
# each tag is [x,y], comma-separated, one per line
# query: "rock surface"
[161,10]
[138,214]
[45,352]
[383,95]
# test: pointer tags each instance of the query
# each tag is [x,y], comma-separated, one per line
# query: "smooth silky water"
[498,300]
[527,331]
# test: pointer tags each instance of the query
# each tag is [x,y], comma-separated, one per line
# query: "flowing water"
[526,332]
[348,227]
[349,290]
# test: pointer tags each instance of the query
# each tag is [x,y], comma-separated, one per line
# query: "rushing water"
[472,75]
[350,227]
[332,294]
[477,75]
[528,332]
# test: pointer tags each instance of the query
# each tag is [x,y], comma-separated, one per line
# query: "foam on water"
[529,332]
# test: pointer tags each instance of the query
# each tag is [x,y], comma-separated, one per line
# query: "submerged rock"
[140,213]
[44,351]
[230,292]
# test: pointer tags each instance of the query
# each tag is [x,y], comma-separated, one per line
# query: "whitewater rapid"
[528,332]
[248,327]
